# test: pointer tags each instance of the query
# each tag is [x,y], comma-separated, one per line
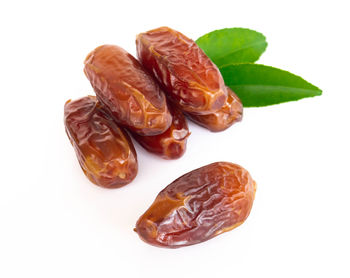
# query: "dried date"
[198,206]
[189,77]
[172,143]
[130,94]
[222,119]
[104,151]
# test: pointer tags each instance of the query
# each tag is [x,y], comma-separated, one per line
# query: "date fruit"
[198,206]
[222,119]
[189,77]
[130,93]
[172,143]
[104,151]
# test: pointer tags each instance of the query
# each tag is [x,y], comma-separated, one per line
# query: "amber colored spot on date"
[164,206]
[92,165]
[161,208]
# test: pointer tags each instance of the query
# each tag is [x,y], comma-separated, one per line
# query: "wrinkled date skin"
[230,113]
[172,143]
[131,95]
[189,77]
[198,206]
[104,151]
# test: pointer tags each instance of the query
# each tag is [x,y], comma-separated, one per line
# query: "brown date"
[189,77]
[172,143]
[222,119]
[104,151]
[198,206]
[130,93]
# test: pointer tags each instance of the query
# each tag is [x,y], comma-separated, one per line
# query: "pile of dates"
[149,99]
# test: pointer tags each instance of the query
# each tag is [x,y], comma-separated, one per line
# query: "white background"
[55,223]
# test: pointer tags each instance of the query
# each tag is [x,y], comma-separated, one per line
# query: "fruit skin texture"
[104,151]
[230,113]
[188,76]
[172,143]
[130,93]
[198,206]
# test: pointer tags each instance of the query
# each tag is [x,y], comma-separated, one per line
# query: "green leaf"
[259,85]
[233,45]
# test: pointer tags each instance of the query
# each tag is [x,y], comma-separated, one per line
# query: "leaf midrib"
[241,48]
[275,87]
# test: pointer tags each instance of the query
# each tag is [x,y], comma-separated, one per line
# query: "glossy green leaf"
[259,85]
[233,45]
